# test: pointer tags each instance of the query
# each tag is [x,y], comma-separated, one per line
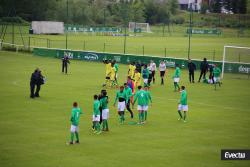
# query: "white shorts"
[182,107]
[216,79]
[145,81]
[105,113]
[97,118]
[116,75]
[121,106]
[74,128]
[142,108]
[176,79]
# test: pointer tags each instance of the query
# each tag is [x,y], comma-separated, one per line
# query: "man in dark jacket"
[191,69]
[204,68]
[65,62]
[36,80]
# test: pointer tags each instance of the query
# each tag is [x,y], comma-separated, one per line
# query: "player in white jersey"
[162,69]
[153,69]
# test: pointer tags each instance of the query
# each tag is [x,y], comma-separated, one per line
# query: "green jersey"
[75,116]
[128,92]
[177,73]
[183,100]
[216,72]
[116,67]
[149,98]
[145,73]
[96,107]
[104,102]
[141,95]
[121,96]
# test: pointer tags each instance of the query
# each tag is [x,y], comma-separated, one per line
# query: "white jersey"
[153,66]
[162,67]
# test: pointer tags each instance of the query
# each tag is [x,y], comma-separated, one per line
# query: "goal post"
[236,55]
[143,27]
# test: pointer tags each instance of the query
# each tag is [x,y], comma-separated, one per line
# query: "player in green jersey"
[176,77]
[75,117]
[122,99]
[216,75]
[116,66]
[182,105]
[105,111]
[142,102]
[96,115]
[129,94]
[149,98]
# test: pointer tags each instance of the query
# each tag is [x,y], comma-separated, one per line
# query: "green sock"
[106,122]
[175,86]
[180,114]
[77,136]
[185,115]
[98,127]
[71,137]
[178,86]
[123,117]
[139,117]
[146,114]
[142,116]
[103,124]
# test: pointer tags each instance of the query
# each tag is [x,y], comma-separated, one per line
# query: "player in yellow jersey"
[112,75]
[108,72]
[131,70]
[137,78]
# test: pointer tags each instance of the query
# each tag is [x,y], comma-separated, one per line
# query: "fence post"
[47,43]
[165,52]
[214,55]
[239,57]
[143,50]
[0,44]
[104,47]
[29,42]
[84,45]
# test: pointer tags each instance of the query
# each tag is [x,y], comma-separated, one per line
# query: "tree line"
[106,12]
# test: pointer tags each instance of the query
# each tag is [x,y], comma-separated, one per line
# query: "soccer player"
[204,68]
[176,77]
[141,96]
[75,117]
[150,76]
[131,69]
[108,72]
[121,97]
[129,94]
[105,111]
[96,115]
[113,75]
[148,98]
[116,66]
[216,74]
[162,69]
[145,75]
[137,78]
[182,106]
[153,68]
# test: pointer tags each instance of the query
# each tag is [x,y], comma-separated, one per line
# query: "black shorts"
[107,77]
[153,73]
[162,73]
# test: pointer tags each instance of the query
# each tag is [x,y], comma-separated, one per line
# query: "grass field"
[34,132]
[154,44]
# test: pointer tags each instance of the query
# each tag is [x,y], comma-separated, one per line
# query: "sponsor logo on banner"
[91,57]
[117,58]
[243,69]
[170,63]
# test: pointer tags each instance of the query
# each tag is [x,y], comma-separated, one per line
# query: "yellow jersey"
[108,69]
[112,73]
[137,78]
[131,70]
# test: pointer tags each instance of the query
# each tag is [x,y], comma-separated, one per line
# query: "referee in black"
[65,62]
[204,69]
[191,69]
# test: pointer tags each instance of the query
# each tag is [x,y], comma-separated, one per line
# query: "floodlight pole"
[190,28]
[67,24]
[125,40]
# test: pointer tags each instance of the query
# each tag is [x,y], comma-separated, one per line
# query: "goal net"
[139,27]
[236,59]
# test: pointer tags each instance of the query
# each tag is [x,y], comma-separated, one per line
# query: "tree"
[216,6]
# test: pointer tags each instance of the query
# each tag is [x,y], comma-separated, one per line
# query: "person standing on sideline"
[65,62]
[191,69]
[153,68]
[36,80]
[162,69]
[204,68]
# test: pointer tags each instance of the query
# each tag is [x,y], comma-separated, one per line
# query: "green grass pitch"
[35,132]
